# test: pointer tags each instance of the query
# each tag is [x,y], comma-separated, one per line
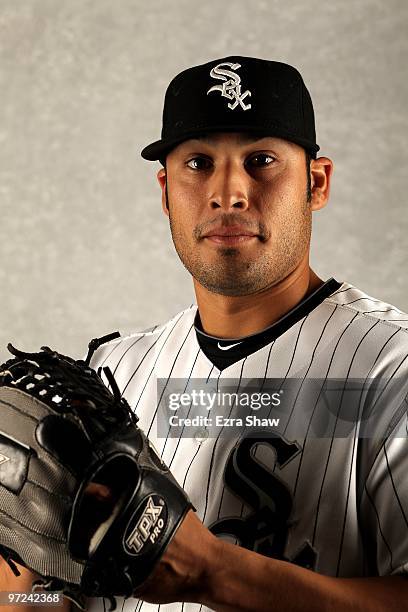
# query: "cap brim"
[160,148]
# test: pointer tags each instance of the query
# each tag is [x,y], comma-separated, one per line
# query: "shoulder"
[141,341]
[358,335]
[362,305]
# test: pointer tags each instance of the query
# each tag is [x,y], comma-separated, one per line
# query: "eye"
[199,163]
[260,160]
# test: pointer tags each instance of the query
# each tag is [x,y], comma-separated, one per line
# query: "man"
[312,515]
[321,520]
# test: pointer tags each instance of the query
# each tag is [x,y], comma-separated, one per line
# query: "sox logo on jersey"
[265,529]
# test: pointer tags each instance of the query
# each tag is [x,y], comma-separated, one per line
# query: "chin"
[230,290]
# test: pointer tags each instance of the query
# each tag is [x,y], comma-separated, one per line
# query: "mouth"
[229,236]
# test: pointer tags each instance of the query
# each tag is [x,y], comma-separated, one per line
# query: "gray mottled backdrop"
[84,246]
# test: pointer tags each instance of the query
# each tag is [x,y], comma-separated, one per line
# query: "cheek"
[291,188]
[286,217]
[185,203]
[283,196]
[185,187]
[180,194]
[183,217]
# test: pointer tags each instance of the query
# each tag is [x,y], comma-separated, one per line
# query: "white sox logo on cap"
[231,87]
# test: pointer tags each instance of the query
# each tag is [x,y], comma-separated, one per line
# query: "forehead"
[238,140]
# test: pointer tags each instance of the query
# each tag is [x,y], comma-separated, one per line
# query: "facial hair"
[236,273]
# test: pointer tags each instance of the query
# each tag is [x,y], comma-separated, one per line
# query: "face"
[239,210]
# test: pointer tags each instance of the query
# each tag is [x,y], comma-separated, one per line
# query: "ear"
[161,177]
[321,170]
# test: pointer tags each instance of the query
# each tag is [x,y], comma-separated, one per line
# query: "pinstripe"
[164,388]
[215,446]
[308,369]
[188,414]
[366,299]
[331,443]
[190,465]
[387,310]
[126,352]
[267,363]
[108,356]
[377,358]
[394,487]
[294,349]
[141,362]
[210,372]
[379,525]
[355,440]
[374,301]
[178,442]
[315,406]
[383,391]
[152,369]
[260,389]
[341,291]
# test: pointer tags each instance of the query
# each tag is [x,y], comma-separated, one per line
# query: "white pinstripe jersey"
[336,505]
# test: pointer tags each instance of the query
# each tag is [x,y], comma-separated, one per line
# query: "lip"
[230,235]
[229,231]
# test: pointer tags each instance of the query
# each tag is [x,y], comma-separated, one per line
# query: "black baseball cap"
[236,94]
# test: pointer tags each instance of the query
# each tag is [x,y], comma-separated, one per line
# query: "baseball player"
[312,513]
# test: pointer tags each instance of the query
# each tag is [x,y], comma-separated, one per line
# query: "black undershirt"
[249,344]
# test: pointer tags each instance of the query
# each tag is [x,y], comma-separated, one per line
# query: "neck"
[233,317]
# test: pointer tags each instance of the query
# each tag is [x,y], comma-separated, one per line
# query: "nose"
[229,188]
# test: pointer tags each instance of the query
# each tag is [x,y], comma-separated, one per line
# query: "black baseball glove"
[85,502]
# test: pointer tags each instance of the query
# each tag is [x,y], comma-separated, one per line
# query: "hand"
[181,574]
